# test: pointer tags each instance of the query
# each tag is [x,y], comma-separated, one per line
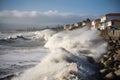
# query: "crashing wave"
[73,55]
[45,34]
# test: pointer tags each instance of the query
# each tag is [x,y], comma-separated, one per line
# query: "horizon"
[39,13]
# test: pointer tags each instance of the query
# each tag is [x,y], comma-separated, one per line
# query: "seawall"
[113,34]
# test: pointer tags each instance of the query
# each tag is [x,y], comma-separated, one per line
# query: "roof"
[113,14]
[115,20]
[97,19]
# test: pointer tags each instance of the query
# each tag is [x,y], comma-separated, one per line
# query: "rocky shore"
[110,62]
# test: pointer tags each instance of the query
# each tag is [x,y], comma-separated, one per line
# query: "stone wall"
[113,34]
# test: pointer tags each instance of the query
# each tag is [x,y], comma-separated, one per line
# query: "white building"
[78,24]
[95,24]
[86,23]
[66,27]
[113,24]
[108,17]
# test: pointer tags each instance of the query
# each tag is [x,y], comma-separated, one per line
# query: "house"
[66,27]
[108,17]
[113,24]
[86,22]
[71,26]
[95,24]
[78,24]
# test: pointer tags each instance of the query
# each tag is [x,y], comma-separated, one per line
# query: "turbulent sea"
[51,55]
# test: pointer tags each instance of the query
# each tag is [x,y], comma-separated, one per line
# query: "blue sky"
[74,6]
[53,12]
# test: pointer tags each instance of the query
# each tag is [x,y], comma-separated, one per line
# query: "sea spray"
[45,34]
[79,42]
[69,57]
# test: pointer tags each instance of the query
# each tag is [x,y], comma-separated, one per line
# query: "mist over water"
[71,57]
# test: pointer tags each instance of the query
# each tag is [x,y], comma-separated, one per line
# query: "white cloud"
[51,12]
[50,17]
[16,13]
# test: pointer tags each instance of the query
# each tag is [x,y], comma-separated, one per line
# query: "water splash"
[71,58]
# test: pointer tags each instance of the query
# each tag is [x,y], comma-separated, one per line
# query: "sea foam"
[72,55]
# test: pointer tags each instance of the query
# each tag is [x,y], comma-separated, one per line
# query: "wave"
[45,34]
[11,39]
[80,42]
[73,56]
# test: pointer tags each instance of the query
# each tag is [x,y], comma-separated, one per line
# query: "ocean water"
[50,55]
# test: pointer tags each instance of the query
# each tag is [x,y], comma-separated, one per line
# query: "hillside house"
[113,24]
[78,24]
[108,17]
[95,24]
[86,22]
[71,26]
[67,26]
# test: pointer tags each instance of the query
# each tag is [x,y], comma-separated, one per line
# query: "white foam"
[81,41]
[45,34]
[67,60]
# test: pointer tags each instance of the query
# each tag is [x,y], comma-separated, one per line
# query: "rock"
[117,72]
[104,59]
[109,63]
[118,51]
[104,71]
[117,65]
[110,76]
[116,57]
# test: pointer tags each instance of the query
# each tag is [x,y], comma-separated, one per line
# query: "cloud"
[16,13]
[15,18]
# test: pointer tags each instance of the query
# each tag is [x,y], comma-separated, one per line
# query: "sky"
[39,13]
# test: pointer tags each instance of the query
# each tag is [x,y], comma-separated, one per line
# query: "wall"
[103,18]
[114,34]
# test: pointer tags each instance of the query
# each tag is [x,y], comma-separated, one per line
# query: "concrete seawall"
[113,34]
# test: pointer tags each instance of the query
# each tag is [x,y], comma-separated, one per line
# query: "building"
[108,17]
[86,22]
[113,24]
[66,27]
[95,24]
[78,24]
[71,26]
